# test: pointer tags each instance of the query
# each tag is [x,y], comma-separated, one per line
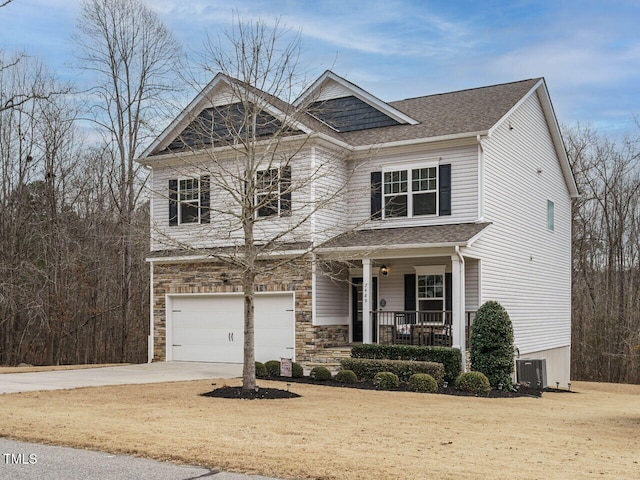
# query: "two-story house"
[438,204]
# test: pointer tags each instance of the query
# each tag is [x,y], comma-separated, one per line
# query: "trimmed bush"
[296,370]
[366,369]
[491,344]
[346,376]
[386,381]
[320,374]
[261,370]
[450,358]
[273,368]
[423,382]
[474,382]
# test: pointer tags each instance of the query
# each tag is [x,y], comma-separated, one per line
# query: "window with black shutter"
[273,192]
[189,200]
[411,192]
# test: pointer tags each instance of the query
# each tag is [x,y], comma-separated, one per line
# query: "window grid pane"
[430,286]
[395,182]
[424,179]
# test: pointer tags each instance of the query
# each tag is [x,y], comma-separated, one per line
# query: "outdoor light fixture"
[384,270]
[224,277]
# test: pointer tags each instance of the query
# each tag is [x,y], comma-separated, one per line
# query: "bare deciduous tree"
[257,152]
[606,256]
[133,60]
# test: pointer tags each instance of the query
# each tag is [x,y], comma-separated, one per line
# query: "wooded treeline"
[606,257]
[60,236]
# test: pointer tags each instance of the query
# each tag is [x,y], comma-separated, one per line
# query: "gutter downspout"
[151,337]
[461,307]
[480,179]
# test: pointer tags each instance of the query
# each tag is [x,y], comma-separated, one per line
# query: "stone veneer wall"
[206,278]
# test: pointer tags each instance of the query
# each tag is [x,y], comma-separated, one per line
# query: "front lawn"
[343,433]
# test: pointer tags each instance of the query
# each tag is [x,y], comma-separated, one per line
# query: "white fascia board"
[171,158]
[473,239]
[556,134]
[418,141]
[540,88]
[358,93]
[378,248]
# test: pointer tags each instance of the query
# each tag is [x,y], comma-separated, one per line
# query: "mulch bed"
[272,393]
[259,393]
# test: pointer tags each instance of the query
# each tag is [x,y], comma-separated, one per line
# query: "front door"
[356,308]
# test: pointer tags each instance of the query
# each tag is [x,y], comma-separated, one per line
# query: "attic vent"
[532,370]
[348,114]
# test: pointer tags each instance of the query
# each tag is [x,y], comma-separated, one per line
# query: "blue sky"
[588,51]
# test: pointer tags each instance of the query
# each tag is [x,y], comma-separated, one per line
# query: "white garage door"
[209,328]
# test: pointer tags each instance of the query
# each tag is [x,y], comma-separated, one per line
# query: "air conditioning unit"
[532,371]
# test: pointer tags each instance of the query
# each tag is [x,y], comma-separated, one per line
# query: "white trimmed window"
[189,200]
[410,193]
[273,192]
[430,288]
[550,216]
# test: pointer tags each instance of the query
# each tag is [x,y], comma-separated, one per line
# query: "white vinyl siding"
[222,230]
[332,298]
[526,267]
[471,284]
[463,157]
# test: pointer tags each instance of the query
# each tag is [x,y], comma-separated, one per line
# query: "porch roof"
[460,234]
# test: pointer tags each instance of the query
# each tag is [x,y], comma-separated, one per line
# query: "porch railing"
[417,327]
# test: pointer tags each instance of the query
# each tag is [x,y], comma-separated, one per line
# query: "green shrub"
[474,382]
[491,344]
[296,370]
[423,382]
[261,370]
[346,376]
[386,381]
[273,368]
[450,358]
[366,369]
[320,374]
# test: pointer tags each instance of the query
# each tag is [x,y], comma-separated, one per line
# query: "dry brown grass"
[334,433]
[51,368]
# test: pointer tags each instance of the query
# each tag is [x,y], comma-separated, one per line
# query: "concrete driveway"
[122,375]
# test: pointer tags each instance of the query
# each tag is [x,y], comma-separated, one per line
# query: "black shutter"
[376,195]
[205,199]
[410,291]
[448,304]
[285,191]
[173,202]
[445,189]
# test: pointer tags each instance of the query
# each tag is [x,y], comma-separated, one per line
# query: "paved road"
[121,375]
[27,461]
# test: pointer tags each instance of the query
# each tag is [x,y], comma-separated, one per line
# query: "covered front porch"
[391,289]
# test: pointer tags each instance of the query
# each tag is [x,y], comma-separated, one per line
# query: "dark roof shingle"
[458,233]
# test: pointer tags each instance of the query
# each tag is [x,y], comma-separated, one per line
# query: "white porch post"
[366,300]
[458,307]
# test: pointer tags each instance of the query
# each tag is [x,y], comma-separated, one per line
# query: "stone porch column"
[458,307]
[366,301]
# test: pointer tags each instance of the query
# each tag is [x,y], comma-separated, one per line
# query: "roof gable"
[205,120]
[330,88]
